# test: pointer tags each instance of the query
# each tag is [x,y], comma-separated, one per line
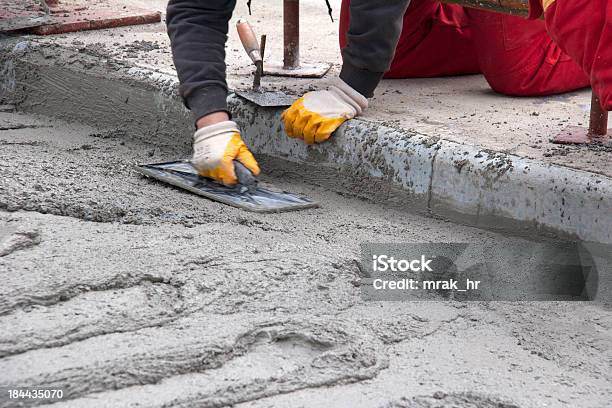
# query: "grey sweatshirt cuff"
[361,80]
[207,100]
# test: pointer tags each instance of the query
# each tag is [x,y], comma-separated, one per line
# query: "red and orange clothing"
[583,30]
[517,56]
[570,49]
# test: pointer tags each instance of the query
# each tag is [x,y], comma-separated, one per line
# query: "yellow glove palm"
[216,147]
[316,115]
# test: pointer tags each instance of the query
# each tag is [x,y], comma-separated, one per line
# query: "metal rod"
[598,125]
[262,46]
[291,32]
[257,75]
[260,64]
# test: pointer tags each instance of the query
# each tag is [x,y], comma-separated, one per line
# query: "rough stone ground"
[125,292]
[461,109]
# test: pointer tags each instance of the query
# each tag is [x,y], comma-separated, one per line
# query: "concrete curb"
[368,159]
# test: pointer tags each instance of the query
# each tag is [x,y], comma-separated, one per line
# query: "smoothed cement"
[125,292]
[381,162]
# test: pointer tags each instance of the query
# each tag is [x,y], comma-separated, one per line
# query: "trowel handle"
[244,175]
[249,40]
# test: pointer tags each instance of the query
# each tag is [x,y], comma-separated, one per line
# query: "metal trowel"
[256,51]
[248,194]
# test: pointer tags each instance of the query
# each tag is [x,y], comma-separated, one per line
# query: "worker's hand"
[317,114]
[215,148]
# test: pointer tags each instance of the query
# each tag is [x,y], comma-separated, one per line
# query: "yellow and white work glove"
[215,148]
[317,114]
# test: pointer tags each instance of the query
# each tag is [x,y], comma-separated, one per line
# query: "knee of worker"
[538,80]
[536,75]
[518,84]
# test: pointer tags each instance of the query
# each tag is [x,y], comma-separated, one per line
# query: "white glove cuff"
[349,95]
[217,129]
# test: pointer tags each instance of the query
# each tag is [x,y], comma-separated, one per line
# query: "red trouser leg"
[435,41]
[518,57]
[583,29]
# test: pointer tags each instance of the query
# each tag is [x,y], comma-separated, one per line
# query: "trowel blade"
[268,99]
[182,174]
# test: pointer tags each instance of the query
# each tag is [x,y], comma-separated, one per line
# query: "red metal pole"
[291,31]
[598,125]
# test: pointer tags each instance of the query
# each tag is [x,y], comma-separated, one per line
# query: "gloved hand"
[317,114]
[215,148]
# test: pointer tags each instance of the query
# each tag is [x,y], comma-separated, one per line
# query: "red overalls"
[516,55]
[583,29]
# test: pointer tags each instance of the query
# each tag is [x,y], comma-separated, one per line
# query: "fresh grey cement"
[126,292]
[373,160]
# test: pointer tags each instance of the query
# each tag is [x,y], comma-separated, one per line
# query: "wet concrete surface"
[125,292]
[461,109]
[378,161]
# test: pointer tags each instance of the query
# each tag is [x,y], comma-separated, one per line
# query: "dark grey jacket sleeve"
[374,30]
[198,32]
